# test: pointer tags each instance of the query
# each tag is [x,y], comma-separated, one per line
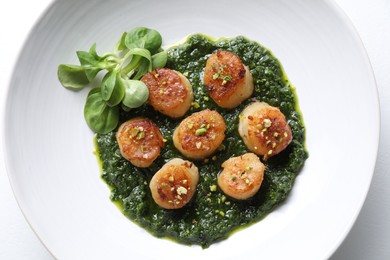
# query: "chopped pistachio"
[171,179]
[234,177]
[181,190]
[227,78]
[141,135]
[213,187]
[267,122]
[200,131]
[133,132]
[270,152]
[195,104]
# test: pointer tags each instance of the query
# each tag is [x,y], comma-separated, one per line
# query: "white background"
[369,237]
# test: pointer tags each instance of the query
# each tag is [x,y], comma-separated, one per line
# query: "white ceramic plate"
[49,148]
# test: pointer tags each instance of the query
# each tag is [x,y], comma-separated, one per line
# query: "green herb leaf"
[117,94]
[91,72]
[144,66]
[131,66]
[142,52]
[159,60]
[121,44]
[87,59]
[100,117]
[93,52]
[108,85]
[91,64]
[72,76]
[136,93]
[120,87]
[142,37]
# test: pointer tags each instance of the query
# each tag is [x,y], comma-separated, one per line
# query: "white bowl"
[49,148]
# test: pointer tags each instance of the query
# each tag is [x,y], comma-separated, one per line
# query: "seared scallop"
[264,129]
[228,80]
[140,141]
[241,176]
[174,184]
[199,135]
[170,92]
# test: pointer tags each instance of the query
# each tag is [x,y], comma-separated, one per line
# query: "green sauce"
[210,216]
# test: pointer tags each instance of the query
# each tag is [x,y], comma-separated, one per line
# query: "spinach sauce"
[211,216]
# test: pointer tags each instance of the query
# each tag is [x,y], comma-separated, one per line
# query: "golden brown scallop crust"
[140,141]
[174,184]
[228,81]
[199,135]
[264,129]
[242,176]
[169,91]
